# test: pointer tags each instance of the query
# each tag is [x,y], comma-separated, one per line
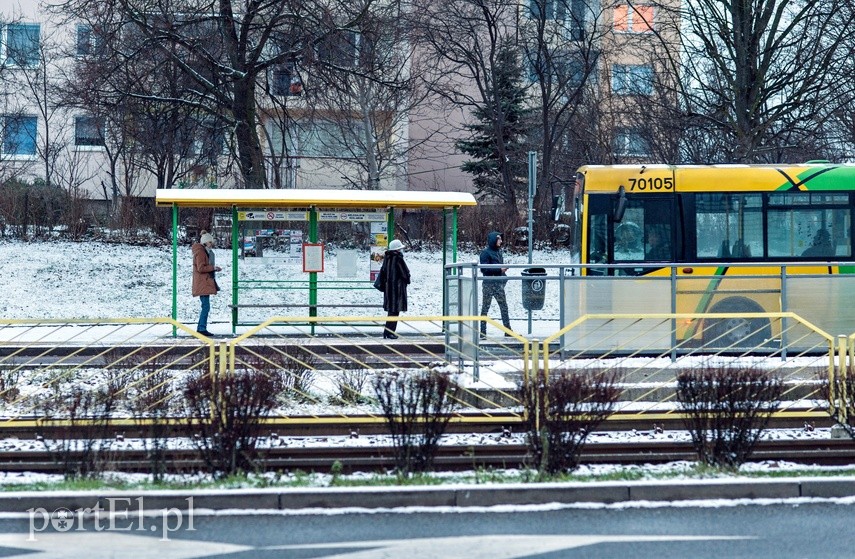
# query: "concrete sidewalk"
[423,496]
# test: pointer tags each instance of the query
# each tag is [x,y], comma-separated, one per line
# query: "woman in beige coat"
[204,278]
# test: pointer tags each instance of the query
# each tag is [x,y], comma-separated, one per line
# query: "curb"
[452,496]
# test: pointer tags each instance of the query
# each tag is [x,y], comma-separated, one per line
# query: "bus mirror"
[557,207]
[620,207]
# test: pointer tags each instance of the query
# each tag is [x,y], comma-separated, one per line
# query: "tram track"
[455,457]
[491,424]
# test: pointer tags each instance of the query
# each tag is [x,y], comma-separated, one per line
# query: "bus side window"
[724,250]
[820,245]
[740,250]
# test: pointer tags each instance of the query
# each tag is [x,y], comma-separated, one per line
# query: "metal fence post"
[784,308]
[673,311]
[533,383]
[840,378]
[562,285]
[535,356]
[475,327]
[223,361]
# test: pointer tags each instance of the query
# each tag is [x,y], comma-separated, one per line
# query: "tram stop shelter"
[312,207]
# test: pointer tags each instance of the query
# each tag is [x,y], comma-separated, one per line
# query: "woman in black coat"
[393,280]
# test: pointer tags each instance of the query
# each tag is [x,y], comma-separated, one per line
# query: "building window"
[19,135]
[570,11]
[22,44]
[285,81]
[316,139]
[88,131]
[634,19]
[210,142]
[339,49]
[89,42]
[279,134]
[559,10]
[567,70]
[630,142]
[321,139]
[632,79]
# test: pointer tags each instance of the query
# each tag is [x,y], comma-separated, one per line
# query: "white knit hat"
[206,238]
[396,245]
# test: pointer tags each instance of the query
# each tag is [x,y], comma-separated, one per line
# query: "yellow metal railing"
[48,367]
[138,359]
[331,348]
[644,348]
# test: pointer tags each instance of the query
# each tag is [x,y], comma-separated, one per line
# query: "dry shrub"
[9,379]
[476,222]
[350,383]
[563,411]
[294,366]
[417,407]
[840,395]
[83,439]
[726,409]
[150,396]
[224,413]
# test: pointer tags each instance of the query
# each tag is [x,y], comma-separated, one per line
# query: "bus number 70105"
[655,183]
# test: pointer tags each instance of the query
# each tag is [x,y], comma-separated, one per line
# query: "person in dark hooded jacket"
[494,280]
[393,280]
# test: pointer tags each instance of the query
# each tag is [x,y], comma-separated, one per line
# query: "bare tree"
[223,49]
[148,104]
[759,79]
[465,41]
[364,84]
[562,42]
[281,89]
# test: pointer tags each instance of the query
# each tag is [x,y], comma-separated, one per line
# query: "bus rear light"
[688,270]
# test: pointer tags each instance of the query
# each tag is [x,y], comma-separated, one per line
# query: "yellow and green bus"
[739,229]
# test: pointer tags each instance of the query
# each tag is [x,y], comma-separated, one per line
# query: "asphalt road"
[755,529]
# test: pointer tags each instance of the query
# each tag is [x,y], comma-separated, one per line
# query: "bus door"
[639,243]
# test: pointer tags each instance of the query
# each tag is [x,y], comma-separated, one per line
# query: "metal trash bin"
[533,288]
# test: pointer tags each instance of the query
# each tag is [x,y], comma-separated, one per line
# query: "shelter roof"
[304,198]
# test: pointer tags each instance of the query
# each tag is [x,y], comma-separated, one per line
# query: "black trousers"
[392,325]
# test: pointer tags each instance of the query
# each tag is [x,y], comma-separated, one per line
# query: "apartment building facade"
[48,138]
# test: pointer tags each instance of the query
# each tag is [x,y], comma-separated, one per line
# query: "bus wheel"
[737,332]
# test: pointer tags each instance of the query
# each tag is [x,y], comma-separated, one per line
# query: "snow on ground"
[65,280]
[675,470]
[62,280]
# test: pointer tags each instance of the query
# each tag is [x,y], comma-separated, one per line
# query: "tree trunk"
[250,155]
